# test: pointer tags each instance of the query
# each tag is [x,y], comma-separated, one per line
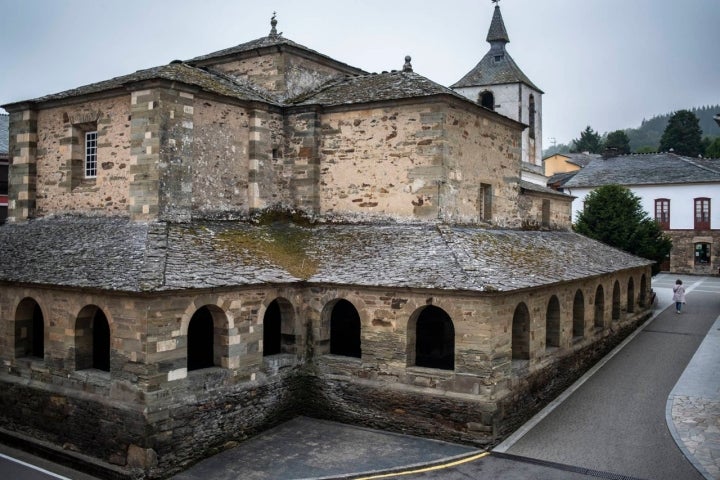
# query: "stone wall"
[682,256]
[544,211]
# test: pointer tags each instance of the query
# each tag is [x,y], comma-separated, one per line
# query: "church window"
[616,302]
[91,154]
[702,253]
[29,330]
[434,339]
[552,323]
[532,116]
[521,333]
[485,202]
[702,214]
[278,334]
[345,330]
[487,100]
[662,212]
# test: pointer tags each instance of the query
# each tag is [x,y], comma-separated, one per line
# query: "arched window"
[29,330]
[521,333]
[599,307]
[92,339]
[200,340]
[616,307]
[487,100]
[434,339]
[531,119]
[552,323]
[345,330]
[279,328]
[579,315]
[631,296]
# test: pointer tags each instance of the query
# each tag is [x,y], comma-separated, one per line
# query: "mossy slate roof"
[122,255]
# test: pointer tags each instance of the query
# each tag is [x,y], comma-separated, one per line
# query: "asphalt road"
[615,421]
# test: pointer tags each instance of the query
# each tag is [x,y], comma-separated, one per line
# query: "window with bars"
[702,214]
[91,154]
[662,212]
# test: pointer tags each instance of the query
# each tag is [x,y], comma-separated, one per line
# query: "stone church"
[201,250]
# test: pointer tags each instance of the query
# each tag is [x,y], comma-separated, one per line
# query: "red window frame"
[662,212]
[702,213]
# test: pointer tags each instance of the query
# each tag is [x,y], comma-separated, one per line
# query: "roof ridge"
[261,92]
[692,161]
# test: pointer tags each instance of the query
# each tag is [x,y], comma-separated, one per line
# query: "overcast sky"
[603,63]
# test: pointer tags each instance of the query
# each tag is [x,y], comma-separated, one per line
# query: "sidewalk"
[693,407]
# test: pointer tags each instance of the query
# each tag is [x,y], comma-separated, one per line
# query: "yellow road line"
[428,469]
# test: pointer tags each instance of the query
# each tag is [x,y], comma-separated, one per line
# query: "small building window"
[545,213]
[531,120]
[702,214]
[345,330]
[91,154]
[702,253]
[662,213]
[485,202]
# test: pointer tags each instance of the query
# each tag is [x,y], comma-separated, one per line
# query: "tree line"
[682,133]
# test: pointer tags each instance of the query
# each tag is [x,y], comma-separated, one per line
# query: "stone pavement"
[693,407]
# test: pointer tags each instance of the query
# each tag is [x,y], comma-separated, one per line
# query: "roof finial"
[495,2]
[273,23]
[408,66]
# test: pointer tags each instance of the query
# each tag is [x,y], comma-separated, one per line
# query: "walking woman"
[678,295]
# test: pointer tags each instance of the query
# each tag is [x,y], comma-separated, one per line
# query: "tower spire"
[497,35]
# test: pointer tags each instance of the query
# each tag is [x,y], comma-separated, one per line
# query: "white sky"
[603,63]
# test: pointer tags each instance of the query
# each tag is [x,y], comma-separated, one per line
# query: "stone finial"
[273,24]
[408,66]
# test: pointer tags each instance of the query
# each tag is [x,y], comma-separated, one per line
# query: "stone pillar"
[23,165]
[144,154]
[258,148]
[303,136]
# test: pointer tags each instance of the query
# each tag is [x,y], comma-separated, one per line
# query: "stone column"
[23,165]
[258,148]
[303,135]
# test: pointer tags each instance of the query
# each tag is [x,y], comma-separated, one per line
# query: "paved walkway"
[693,407]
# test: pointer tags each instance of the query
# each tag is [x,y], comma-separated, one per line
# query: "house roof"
[534,187]
[118,254]
[581,159]
[559,180]
[646,169]
[4,134]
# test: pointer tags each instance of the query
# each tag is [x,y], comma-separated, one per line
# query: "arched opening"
[279,328]
[579,315]
[272,330]
[345,330]
[434,339]
[29,330]
[92,339]
[552,323]
[631,296]
[521,333]
[616,308]
[487,100]
[643,292]
[599,307]
[200,340]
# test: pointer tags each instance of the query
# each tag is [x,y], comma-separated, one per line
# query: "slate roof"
[179,72]
[4,134]
[559,180]
[534,187]
[581,159]
[118,254]
[646,169]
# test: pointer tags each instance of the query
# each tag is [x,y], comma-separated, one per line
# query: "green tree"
[713,150]
[618,141]
[682,134]
[614,215]
[646,149]
[589,141]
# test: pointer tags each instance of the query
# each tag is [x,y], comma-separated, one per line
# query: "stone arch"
[579,315]
[29,329]
[431,338]
[92,339]
[345,329]
[204,337]
[631,295]
[643,291]
[599,307]
[487,99]
[552,323]
[521,333]
[616,306]
[278,327]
